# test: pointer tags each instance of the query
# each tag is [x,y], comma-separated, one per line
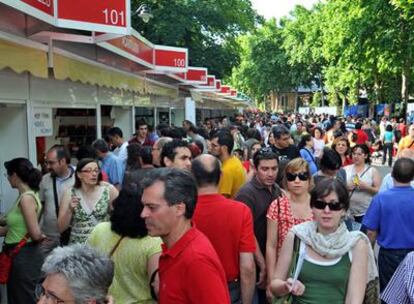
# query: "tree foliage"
[207,28]
[349,46]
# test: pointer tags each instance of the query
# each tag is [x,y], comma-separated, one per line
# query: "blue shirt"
[391,215]
[114,167]
[388,183]
[310,159]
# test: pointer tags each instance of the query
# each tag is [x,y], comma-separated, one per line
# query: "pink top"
[280,211]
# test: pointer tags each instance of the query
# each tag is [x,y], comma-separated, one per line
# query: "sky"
[278,8]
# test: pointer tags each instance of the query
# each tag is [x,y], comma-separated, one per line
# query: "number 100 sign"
[109,16]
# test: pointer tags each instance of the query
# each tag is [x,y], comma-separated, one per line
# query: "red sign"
[94,15]
[46,6]
[133,47]
[211,81]
[196,75]
[233,92]
[171,58]
[218,84]
[40,9]
[225,90]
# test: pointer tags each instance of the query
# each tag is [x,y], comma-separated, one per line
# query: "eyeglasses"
[51,298]
[89,171]
[303,176]
[333,206]
[50,162]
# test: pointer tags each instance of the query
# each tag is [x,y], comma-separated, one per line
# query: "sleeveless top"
[360,199]
[280,211]
[325,281]
[15,221]
[84,220]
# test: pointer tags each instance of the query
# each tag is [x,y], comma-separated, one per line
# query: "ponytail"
[34,178]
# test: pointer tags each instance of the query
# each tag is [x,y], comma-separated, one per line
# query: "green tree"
[207,28]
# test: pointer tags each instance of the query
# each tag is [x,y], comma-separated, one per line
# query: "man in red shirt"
[229,227]
[362,137]
[189,268]
[141,135]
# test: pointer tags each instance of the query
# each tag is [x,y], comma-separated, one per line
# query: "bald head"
[207,170]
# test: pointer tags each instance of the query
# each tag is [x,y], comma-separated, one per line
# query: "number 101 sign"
[109,16]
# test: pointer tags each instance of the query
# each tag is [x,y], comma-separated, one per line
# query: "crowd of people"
[255,208]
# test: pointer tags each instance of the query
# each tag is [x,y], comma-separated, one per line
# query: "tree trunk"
[322,91]
[296,100]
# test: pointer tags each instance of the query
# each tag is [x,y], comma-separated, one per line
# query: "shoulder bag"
[6,259]
[7,255]
[294,264]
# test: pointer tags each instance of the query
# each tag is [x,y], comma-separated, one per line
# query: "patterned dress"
[83,221]
[280,211]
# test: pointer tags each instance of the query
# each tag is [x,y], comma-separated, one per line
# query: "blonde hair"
[294,166]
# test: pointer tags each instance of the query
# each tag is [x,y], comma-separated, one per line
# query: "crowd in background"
[253,208]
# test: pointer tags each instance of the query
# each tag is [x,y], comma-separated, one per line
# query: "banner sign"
[134,47]
[171,59]
[218,84]
[233,92]
[225,89]
[196,75]
[109,16]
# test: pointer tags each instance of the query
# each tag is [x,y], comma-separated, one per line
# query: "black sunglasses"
[333,206]
[303,176]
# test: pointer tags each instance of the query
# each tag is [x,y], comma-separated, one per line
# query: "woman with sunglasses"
[87,203]
[336,264]
[363,181]
[290,209]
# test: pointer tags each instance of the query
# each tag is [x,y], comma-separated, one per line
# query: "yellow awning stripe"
[67,68]
[155,89]
[23,59]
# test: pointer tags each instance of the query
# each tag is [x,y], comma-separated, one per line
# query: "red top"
[362,137]
[147,142]
[403,129]
[246,165]
[190,272]
[281,212]
[347,161]
[228,225]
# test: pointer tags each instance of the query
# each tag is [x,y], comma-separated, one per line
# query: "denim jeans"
[388,261]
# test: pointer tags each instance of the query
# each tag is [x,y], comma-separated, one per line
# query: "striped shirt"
[400,289]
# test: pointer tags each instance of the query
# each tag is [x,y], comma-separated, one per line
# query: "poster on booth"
[42,122]
[410,113]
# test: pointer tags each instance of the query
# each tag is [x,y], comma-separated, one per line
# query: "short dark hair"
[330,160]
[388,128]
[132,161]
[225,139]
[206,176]
[180,187]
[114,131]
[169,149]
[25,171]
[326,186]
[264,154]
[82,163]
[139,123]
[358,126]
[280,130]
[124,219]
[403,170]
[146,155]
[100,145]
[365,150]
[319,129]
[62,152]
[303,140]
[85,151]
